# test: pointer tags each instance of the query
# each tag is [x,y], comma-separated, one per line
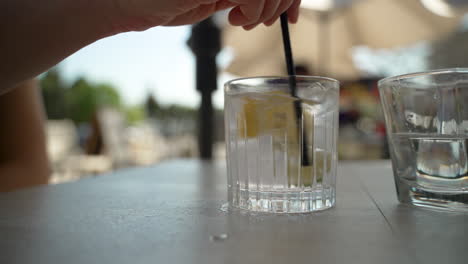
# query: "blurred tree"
[84,99]
[179,112]
[53,95]
[135,114]
[81,101]
[171,119]
[151,106]
[107,95]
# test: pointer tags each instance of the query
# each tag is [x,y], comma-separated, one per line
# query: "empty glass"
[426,117]
[281,150]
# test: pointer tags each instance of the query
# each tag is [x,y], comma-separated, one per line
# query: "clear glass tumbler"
[281,149]
[426,117]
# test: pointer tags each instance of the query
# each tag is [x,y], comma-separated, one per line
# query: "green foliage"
[178,111]
[161,112]
[152,107]
[135,114]
[107,95]
[53,95]
[183,110]
[84,99]
[79,101]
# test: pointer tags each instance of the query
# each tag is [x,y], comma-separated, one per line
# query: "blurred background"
[140,98]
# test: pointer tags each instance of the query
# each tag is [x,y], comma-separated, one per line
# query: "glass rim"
[420,74]
[283,77]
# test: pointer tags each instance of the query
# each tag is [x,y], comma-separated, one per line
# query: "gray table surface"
[170,213]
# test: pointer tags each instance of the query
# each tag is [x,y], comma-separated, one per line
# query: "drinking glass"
[281,149]
[426,118]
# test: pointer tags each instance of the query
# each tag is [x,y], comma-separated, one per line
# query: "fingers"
[268,11]
[199,14]
[285,5]
[224,4]
[247,12]
[236,17]
[293,11]
[250,13]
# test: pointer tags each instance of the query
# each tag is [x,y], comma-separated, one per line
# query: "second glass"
[427,125]
[281,149]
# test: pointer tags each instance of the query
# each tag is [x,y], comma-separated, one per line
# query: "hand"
[140,15]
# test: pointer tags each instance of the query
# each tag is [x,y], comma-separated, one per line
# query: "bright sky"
[157,60]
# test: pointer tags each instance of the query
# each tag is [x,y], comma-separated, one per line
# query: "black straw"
[292,82]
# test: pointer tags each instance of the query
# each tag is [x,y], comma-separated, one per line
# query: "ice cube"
[318,98]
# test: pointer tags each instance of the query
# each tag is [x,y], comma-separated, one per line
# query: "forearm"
[36,35]
[16,176]
[23,156]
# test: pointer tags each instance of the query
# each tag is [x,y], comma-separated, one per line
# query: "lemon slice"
[274,113]
[267,113]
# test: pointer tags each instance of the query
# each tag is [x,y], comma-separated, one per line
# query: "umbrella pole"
[205,43]
[323,38]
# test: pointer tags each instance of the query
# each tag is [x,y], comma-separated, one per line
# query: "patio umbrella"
[447,8]
[450,52]
[205,43]
[323,38]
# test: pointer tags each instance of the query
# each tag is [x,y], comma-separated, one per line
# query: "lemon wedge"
[274,113]
[267,113]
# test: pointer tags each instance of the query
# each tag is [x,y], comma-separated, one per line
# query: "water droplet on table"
[219,238]
[224,207]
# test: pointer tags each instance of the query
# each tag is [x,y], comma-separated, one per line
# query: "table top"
[170,213]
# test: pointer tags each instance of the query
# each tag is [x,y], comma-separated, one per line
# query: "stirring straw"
[292,82]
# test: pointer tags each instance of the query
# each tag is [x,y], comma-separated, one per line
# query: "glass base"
[285,202]
[454,202]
